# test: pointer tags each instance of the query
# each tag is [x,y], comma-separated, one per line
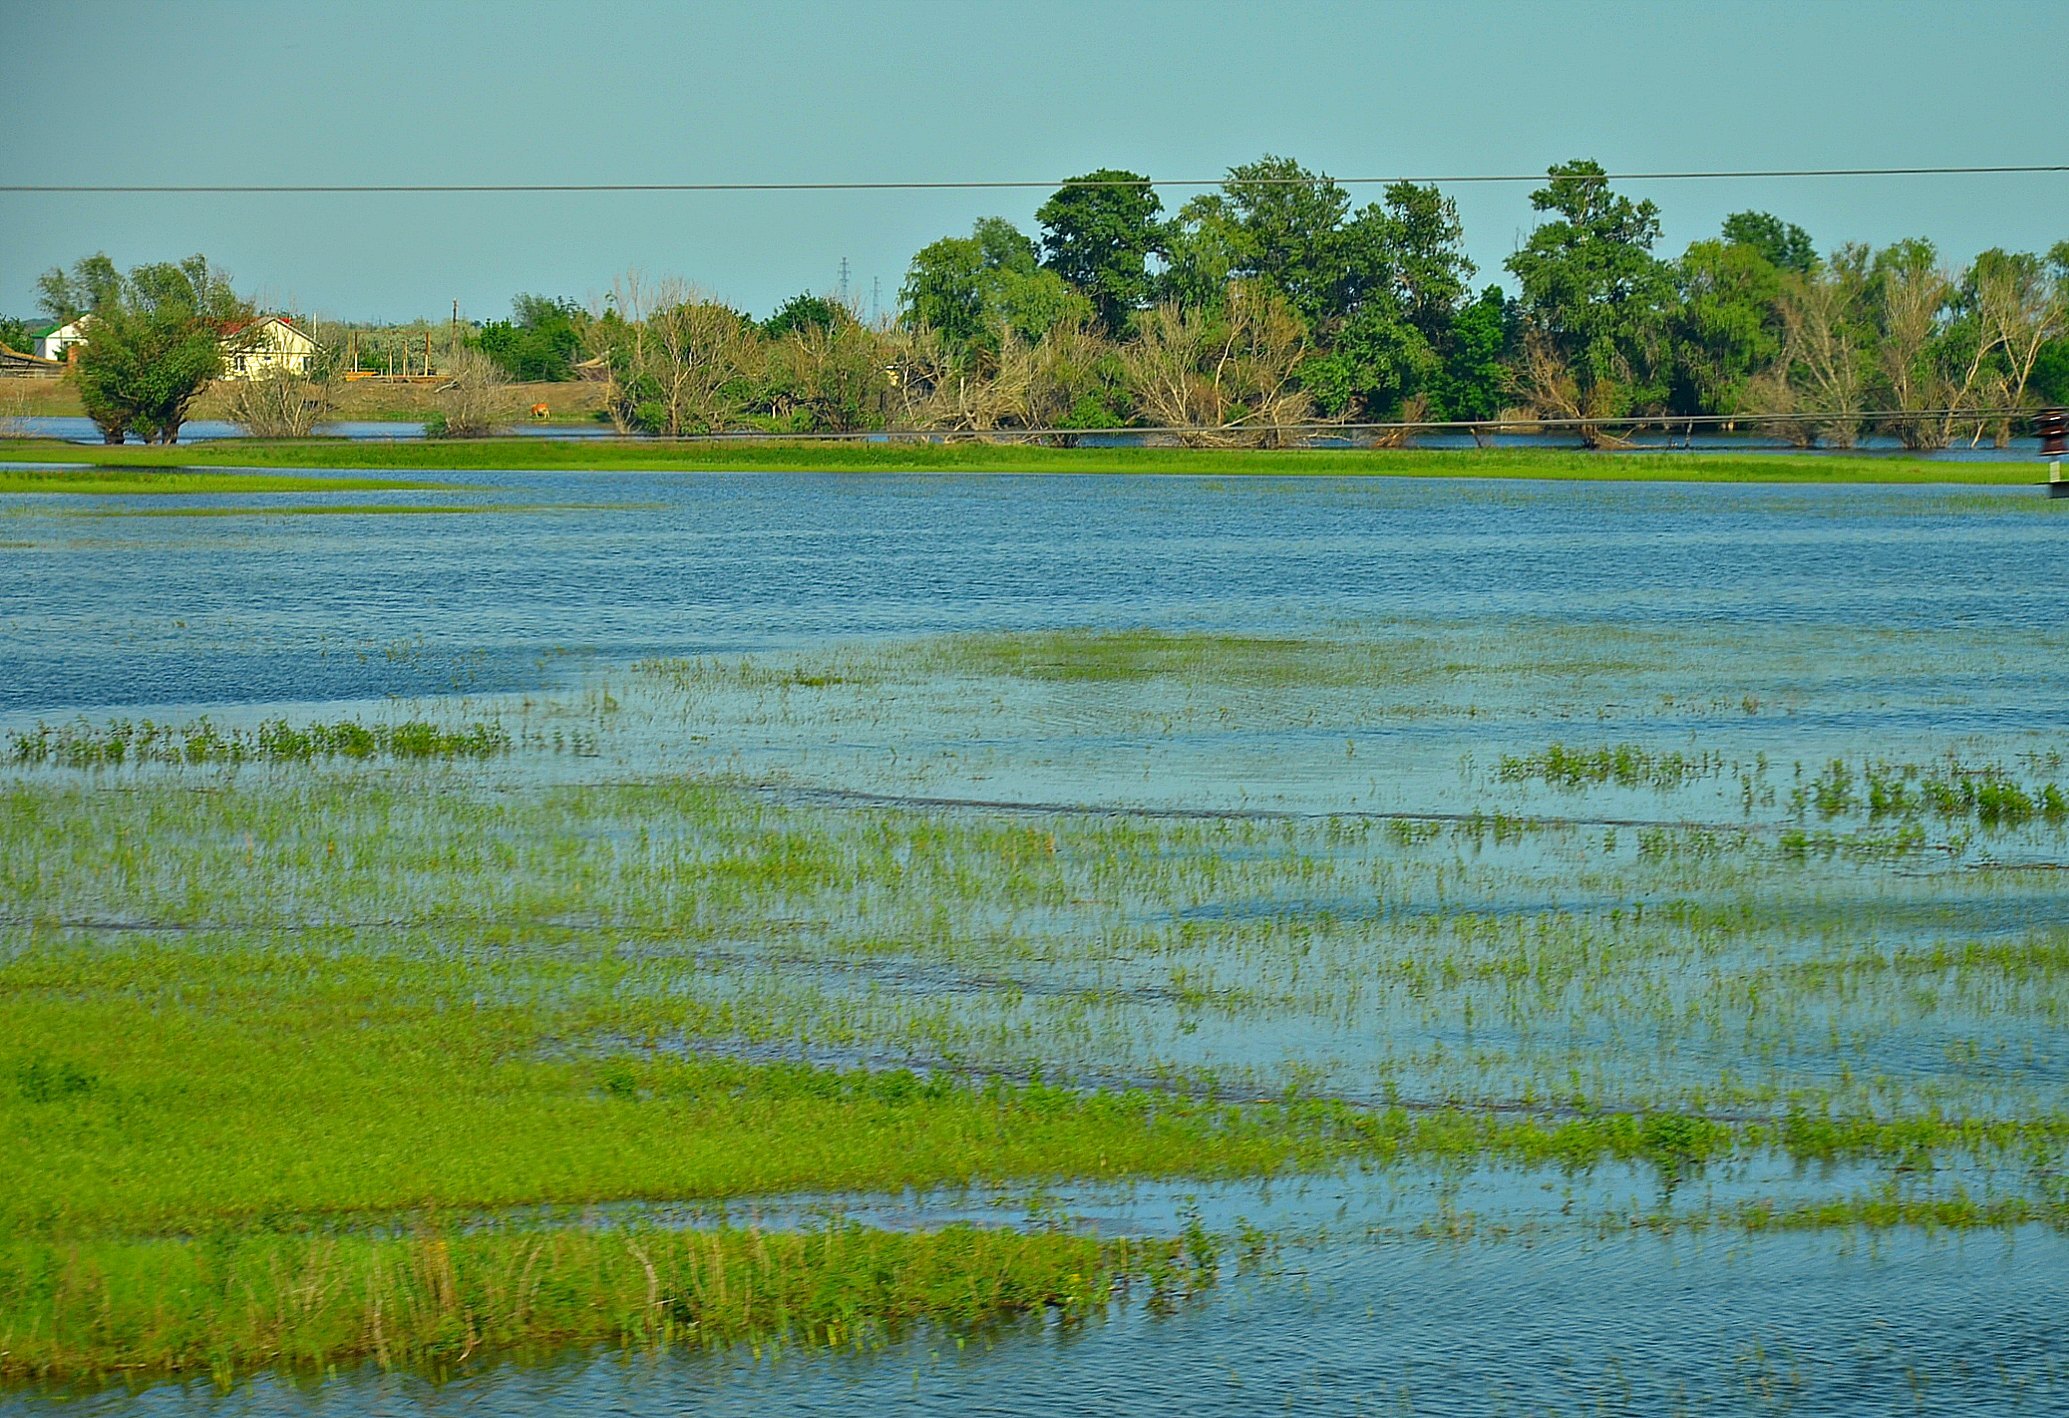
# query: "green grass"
[640,455]
[133,479]
[222,1304]
[304,1031]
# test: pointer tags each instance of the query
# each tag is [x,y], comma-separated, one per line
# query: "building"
[254,349]
[52,341]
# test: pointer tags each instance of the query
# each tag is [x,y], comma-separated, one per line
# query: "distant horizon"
[808,90]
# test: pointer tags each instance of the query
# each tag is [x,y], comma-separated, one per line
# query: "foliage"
[1228,376]
[156,339]
[1783,245]
[679,362]
[1099,232]
[801,313]
[1592,293]
[975,290]
[539,343]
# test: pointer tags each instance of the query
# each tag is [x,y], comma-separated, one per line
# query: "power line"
[1454,179]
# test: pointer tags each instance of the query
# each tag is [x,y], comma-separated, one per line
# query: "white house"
[52,342]
[257,348]
[252,349]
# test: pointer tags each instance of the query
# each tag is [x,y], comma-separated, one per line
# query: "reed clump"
[226,1303]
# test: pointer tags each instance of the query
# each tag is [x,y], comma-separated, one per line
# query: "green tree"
[1473,382]
[1402,272]
[1726,327]
[155,340]
[1099,232]
[1785,245]
[802,312]
[539,343]
[973,289]
[92,283]
[1593,294]
[1408,248]
[1290,225]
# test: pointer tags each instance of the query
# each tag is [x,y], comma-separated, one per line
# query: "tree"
[974,289]
[2020,303]
[801,312]
[157,338]
[1226,376]
[1098,233]
[1828,343]
[1289,225]
[1593,293]
[1411,248]
[1402,274]
[826,377]
[540,341]
[91,284]
[1726,327]
[474,401]
[1784,245]
[678,361]
[1474,378]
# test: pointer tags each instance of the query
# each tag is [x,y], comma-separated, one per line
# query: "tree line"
[1274,304]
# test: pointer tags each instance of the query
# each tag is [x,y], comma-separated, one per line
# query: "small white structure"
[268,345]
[52,343]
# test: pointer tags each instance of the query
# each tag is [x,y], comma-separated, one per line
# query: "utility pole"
[456,327]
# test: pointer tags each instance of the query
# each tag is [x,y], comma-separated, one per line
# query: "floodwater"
[891,632]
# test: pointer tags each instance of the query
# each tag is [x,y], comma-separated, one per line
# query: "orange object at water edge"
[539,411]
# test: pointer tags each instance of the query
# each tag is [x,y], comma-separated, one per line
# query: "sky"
[275,91]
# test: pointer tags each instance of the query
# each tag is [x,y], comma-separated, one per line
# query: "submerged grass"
[140,478]
[287,1056]
[514,454]
[84,745]
[224,1303]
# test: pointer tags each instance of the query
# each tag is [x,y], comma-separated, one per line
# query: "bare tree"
[1226,377]
[279,404]
[1548,388]
[679,362]
[1821,380]
[2021,305]
[475,398]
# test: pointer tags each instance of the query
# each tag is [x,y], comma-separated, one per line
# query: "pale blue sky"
[448,90]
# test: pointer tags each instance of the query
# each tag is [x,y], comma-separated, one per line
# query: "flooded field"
[1382,947]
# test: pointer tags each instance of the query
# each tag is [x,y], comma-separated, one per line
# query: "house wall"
[278,347]
[52,346]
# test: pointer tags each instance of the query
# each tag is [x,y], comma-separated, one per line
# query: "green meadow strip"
[604,455]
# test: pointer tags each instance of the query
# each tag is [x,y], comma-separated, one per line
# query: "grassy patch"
[106,481]
[222,1303]
[603,455]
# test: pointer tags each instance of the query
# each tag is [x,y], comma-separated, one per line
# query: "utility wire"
[1456,179]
